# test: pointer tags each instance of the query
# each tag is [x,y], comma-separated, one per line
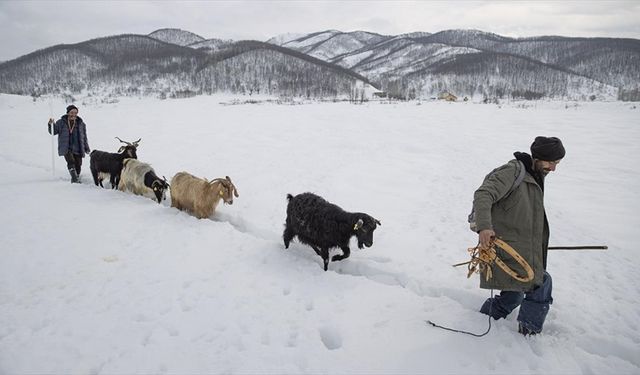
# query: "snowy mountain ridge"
[141,65]
[469,63]
[611,66]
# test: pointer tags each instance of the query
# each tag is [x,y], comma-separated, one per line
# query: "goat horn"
[124,141]
[378,221]
[136,142]
[235,190]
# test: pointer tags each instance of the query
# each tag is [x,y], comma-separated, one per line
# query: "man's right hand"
[50,122]
[486,237]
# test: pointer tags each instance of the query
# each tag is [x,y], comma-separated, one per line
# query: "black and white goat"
[323,226]
[109,165]
[140,179]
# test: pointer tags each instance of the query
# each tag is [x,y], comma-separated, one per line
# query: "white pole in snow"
[53,157]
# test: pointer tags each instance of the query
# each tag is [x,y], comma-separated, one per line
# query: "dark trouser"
[534,305]
[74,161]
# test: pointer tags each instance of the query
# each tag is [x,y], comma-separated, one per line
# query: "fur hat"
[69,108]
[547,148]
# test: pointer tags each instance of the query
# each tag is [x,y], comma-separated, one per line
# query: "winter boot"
[74,176]
[526,331]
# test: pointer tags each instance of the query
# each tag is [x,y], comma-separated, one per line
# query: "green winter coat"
[518,219]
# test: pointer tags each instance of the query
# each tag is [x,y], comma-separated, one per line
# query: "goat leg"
[345,254]
[325,258]
[287,236]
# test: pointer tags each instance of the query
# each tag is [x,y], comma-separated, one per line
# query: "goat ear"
[378,221]
[121,149]
[235,192]
[358,224]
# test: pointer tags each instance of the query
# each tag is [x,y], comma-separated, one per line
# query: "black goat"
[323,226]
[103,164]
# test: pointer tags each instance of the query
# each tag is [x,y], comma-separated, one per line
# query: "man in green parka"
[509,205]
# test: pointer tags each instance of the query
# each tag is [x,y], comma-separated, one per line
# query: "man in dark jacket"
[72,140]
[516,214]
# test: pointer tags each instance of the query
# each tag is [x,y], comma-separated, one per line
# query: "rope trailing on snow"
[465,332]
[482,258]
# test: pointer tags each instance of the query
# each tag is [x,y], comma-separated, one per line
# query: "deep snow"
[97,281]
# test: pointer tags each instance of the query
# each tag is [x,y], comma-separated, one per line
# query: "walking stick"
[603,247]
[53,158]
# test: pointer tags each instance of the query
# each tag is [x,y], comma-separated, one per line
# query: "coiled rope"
[482,257]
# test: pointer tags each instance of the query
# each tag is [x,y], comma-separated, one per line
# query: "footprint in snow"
[330,337]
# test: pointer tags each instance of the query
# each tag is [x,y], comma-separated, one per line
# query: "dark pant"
[534,305]
[74,161]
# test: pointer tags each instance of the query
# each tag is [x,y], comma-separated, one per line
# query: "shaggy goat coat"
[199,196]
[323,226]
[133,176]
[103,164]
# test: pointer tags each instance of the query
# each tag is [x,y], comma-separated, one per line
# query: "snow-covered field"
[102,282]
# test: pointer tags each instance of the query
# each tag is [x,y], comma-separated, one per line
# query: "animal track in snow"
[330,337]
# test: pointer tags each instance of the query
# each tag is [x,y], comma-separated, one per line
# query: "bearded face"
[544,167]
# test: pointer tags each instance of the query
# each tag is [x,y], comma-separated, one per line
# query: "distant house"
[448,97]
[380,94]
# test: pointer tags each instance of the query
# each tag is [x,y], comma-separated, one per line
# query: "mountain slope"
[592,64]
[176,36]
[141,65]
[490,74]
[263,67]
[614,61]
[327,45]
[211,45]
[331,62]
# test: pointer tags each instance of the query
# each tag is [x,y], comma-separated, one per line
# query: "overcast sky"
[29,25]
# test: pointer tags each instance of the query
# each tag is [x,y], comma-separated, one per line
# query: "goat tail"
[289,197]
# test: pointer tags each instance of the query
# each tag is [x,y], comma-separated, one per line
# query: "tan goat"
[200,197]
